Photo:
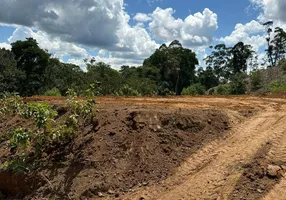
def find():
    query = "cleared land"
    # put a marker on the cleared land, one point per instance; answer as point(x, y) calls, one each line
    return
point(166, 148)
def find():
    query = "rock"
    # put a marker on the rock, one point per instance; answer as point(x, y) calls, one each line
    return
point(274, 171)
point(259, 190)
point(100, 194)
point(145, 183)
point(110, 192)
point(209, 121)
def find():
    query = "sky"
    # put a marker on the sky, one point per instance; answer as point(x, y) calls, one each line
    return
point(125, 32)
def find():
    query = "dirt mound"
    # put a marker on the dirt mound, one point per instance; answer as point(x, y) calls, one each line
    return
point(130, 147)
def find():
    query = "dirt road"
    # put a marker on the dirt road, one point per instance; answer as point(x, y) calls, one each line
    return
point(223, 168)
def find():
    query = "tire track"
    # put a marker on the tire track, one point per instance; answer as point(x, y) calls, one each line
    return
point(212, 172)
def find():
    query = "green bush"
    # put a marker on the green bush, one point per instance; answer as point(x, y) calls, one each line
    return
point(223, 89)
point(53, 92)
point(126, 90)
point(193, 90)
point(238, 84)
point(277, 86)
point(256, 80)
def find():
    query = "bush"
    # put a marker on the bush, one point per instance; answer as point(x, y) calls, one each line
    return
point(256, 80)
point(196, 89)
point(53, 92)
point(277, 86)
point(238, 84)
point(282, 64)
point(223, 89)
point(126, 90)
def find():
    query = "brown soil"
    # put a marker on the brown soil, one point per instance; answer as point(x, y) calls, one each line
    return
point(163, 148)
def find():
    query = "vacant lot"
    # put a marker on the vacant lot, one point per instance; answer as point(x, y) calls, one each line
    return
point(164, 148)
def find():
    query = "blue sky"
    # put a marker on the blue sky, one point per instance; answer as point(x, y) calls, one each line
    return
point(122, 32)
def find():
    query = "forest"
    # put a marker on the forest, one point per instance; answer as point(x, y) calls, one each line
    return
point(171, 70)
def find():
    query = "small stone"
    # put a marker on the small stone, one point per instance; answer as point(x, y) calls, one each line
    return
point(259, 190)
point(274, 171)
point(110, 192)
point(100, 194)
point(209, 121)
point(145, 183)
point(141, 198)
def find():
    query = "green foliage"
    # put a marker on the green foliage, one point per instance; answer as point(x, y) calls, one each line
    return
point(256, 80)
point(53, 92)
point(196, 89)
point(20, 138)
point(238, 84)
point(42, 112)
point(10, 76)
point(32, 60)
point(176, 67)
point(126, 90)
point(223, 89)
point(278, 85)
point(282, 64)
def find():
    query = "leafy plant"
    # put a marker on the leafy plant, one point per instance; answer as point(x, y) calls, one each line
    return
point(53, 92)
point(21, 138)
point(196, 89)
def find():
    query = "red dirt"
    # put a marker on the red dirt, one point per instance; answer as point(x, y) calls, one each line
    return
point(140, 145)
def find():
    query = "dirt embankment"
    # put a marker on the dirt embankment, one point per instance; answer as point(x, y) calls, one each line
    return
point(131, 147)
point(164, 148)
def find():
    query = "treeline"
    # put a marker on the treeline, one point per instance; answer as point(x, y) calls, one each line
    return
point(170, 70)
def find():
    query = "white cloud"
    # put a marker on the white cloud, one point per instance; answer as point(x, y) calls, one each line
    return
point(54, 45)
point(271, 10)
point(194, 30)
point(86, 22)
point(252, 33)
point(67, 28)
point(142, 17)
point(5, 45)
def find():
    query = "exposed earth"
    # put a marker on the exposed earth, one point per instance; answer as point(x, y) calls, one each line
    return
point(176, 148)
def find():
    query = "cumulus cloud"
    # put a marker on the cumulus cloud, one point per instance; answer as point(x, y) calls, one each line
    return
point(86, 22)
point(142, 17)
point(68, 27)
point(194, 30)
point(252, 33)
point(5, 45)
point(271, 10)
point(56, 46)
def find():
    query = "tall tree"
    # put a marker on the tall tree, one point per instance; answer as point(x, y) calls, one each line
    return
point(176, 66)
point(241, 53)
point(10, 76)
point(276, 44)
point(33, 61)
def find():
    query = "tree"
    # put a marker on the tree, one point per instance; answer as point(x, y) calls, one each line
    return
point(240, 54)
point(276, 48)
point(228, 61)
point(176, 66)
point(32, 60)
point(219, 61)
point(207, 77)
point(10, 76)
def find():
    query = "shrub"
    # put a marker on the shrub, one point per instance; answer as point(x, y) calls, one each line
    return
point(196, 89)
point(53, 92)
point(223, 89)
point(256, 80)
point(277, 86)
point(126, 90)
point(238, 84)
